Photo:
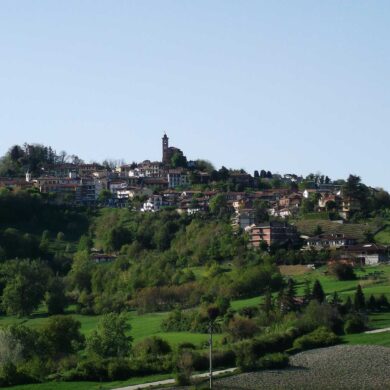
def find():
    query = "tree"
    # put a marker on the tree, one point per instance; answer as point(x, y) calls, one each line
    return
point(204, 166)
point(267, 306)
point(110, 338)
point(11, 350)
point(317, 292)
point(104, 196)
point(382, 302)
point(218, 205)
point(240, 328)
point(371, 303)
point(63, 335)
point(348, 306)
point(287, 297)
point(55, 298)
point(26, 283)
point(307, 206)
point(261, 211)
point(335, 300)
point(81, 272)
point(342, 271)
point(359, 301)
point(178, 160)
point(223, 174)
point(117, 237)
point(307, 292)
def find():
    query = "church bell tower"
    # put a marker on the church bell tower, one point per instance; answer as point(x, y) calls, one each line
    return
point(165, 146)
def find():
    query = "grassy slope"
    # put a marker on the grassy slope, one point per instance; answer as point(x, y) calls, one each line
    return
point(383, 237)
point(149, 324)
point(92, 385)
point(348, 287)
point(369, 339)
point(143, 326)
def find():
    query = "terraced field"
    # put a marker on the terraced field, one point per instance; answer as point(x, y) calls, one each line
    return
point(308, 226)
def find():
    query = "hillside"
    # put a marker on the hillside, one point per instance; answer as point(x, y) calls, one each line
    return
point(356, 230)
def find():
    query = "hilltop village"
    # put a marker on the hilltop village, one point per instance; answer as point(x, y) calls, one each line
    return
point(113, 271)
point(271, 208)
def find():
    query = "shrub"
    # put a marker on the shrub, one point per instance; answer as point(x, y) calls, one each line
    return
point(10, 375)
point(224, 358)
point(63, 335)
point(248, 352)
point(354, 324)
point(186, 345)
point(321, 337)
point(240, 328)
point(316, 315)
point(185, 367)
point(274, 360)
point(118, 369)
point(342, 271)
point(94, 369)
point(153, 346)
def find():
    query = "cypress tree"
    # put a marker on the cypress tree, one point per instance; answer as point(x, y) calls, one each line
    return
point(318, 292)
point(348, 305)
point(307, 292)
point(371, 303)
point(359, 301)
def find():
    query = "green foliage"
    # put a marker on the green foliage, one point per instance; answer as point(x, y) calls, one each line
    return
point(105, 196)
point(178, 160)
point(318, 292)
point(62, 334)
point(55, 297)
point(185, 367)
point(342, 271)
point(152, 347)
point(316, 315)
point(29, 157)
point(25, 284)
point(30, 212)
point(249, 352)
point(240, 328)
point(359, 301)
point(321, 337)
point(274, 361)
point(218, 206)
point(355, 323)
point(110, 339)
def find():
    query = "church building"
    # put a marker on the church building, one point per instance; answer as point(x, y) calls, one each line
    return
point(168, 151)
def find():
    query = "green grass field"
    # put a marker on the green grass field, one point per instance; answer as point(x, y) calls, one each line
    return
point(379, 320)
point(148, 325)
point(92, 385)
point(368, 339)
point(142, 326)
point(330, 284)
point(383, 237)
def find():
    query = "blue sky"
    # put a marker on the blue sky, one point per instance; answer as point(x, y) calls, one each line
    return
point(287, 86)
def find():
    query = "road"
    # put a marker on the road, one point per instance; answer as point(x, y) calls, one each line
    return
point(172, 381)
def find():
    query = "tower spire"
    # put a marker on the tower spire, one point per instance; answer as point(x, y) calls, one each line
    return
point(165, 148)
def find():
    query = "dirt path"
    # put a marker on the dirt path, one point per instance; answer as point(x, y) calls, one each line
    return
point(172, 381)
point(378, 330)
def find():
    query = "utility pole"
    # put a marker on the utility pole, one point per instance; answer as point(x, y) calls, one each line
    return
point(213, 313)
point(211, 353)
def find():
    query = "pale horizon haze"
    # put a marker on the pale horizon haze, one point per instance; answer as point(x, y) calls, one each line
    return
point(286, 86)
